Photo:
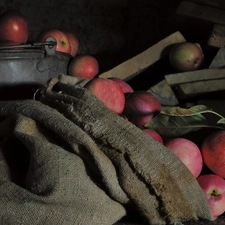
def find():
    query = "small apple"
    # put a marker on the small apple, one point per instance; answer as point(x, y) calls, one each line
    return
point(74, 43)
point(109, 92)
point(188, 152)
point(185, 56)
point(214, 188)
point(13, 27)
point(123, 84)
point(63, 44)
point(152, 133)
point(85, 66)
point(140, 107)
point(213, 152)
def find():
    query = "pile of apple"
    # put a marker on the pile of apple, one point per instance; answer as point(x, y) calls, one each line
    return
point(183, 57)
point(140, 106)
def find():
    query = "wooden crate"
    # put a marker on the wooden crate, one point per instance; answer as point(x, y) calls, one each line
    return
point(202, 11)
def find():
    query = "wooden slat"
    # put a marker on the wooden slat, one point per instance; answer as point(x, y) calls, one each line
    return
point(202, 87)
point(142, 61)
point(197, 82)
point(164, 93)
point(201, 11)
point(219, 59)
point(217, 36)
point(220, 4)
point(194, 76)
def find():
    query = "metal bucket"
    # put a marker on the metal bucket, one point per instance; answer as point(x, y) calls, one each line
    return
point(25, 68)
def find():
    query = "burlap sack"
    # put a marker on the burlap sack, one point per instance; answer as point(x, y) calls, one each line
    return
point(58, 187)
point(158, 184)
point(86, 164)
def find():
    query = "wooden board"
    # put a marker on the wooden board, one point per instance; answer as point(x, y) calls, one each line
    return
point(217, 36)
point(201, 11)
point(142, 61)
point(197, 82)
point(202, 87)
point(164, 93)
point(195, 76)
point(220, 4)
point(219, 59)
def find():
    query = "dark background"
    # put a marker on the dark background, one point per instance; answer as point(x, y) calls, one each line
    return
point(112, 30)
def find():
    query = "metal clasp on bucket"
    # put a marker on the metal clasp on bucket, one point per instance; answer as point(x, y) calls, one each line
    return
point(50, 41)
point(48, 61)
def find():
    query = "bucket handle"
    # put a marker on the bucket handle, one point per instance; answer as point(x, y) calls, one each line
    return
point(48, 42)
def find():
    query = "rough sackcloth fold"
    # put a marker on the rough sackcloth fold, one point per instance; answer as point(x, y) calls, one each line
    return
point(67, 159)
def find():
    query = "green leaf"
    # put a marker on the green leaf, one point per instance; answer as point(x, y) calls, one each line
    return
point(221, 121)
point(178, 111)
point(177, 121)
point(174, 126)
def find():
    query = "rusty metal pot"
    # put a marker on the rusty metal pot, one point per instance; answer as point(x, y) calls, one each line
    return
point(25, 68)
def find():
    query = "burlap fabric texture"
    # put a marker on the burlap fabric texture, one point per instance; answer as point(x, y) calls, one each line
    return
point(67, 159)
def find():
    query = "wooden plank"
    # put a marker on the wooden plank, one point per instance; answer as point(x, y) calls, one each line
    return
point(214, 3)
point(164, 93)
point(201, 11)
point(217, 36)
point(202, 87)
point(219, 59)
point(142, 61)
point(194, 76)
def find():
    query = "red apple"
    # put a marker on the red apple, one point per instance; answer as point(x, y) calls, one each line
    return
point(123, 84)
point(109, 92)
point(74, 43)
point(85, 66)
point(214, 188)
point(213, 152)
point(63, 44)
point(13, 27)
point(140, 107)
point(141, 120)
point(188, 152)
point(185, 56)
point(152, 133)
